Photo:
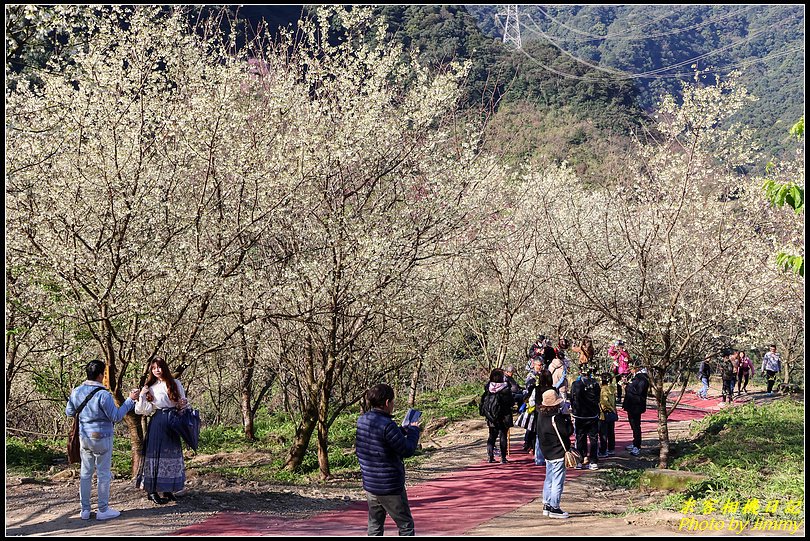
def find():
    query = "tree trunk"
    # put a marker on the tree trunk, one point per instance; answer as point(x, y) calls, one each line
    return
point(135, 428)
point(247, 415)
point(323, 434)
point(414, 382)
point(663, 427)
point(302, 436)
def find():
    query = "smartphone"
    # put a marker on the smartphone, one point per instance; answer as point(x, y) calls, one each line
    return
point(411, 416)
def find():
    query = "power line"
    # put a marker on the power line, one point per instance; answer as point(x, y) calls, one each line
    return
point(651, 74)
point(595, 37)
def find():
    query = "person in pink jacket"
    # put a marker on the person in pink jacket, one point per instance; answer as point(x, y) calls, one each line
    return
point(745, 368)
point(620, 365)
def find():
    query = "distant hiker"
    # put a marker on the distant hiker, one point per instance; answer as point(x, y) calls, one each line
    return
point(554, 432)
point(96, 421)
point(771, 365)
point(535, 351)
point(496, 407)
point(704, 373)
point(381, 444)
point(744, 369)
point(607, 416)
point(620, 366)
point(162, 468)
point(635, 403)
point(559, 369)
point(514, 387)
point(533, 380)
point(586, 353)
point(549, 353)
point(585, 394)
point(734, 357)
point(726, 370)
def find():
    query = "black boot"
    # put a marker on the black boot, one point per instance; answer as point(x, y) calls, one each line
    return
point(169, 497)
point(154, 497)
point(491, 453)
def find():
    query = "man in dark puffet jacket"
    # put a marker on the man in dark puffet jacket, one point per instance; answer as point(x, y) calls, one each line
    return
point(381, 444)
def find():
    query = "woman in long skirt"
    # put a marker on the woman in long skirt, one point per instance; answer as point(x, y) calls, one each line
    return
point(162, 467)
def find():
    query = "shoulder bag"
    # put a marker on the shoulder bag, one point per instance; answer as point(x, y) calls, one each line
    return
point(572, 458)
point(74, 453)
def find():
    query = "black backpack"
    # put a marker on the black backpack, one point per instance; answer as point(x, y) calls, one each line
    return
point(490, 407)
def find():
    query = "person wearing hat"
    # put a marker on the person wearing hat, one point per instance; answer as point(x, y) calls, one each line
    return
point(554, 433)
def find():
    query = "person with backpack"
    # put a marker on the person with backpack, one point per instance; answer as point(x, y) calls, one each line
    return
point(704, 372)
point(726, 369)
point(496, 406)
point(585, 395)
point(635, 403)
point(96, 419)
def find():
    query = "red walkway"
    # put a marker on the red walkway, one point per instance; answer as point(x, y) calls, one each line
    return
point(448, 505)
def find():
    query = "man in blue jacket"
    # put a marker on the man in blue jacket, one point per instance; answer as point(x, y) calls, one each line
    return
point(381, 444)
point(96, 421)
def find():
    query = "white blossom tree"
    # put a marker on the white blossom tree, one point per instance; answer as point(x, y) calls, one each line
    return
point(664, 252)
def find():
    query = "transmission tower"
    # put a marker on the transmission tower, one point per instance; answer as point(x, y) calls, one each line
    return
point(511, 27)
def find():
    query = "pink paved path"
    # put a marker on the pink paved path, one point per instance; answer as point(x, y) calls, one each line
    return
point(449, 505)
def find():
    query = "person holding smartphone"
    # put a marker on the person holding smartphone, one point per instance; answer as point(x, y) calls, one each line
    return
point(381, 445)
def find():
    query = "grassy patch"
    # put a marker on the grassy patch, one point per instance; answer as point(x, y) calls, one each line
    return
point(747, 452)
point(26, 458)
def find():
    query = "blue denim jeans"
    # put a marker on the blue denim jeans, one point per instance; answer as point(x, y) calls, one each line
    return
point(96, 455)
point(705, 389)
point(553, 485)
point(538, 454)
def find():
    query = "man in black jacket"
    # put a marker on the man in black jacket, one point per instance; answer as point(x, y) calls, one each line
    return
point(585, 393)
point(635, 403)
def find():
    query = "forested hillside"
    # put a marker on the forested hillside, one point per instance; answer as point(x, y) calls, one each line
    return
point(667, 43)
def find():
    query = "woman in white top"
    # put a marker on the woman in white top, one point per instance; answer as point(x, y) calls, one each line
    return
point(162, 467)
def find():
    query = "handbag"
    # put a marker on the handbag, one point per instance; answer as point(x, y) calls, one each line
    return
point(611, 416)
point(74, 452)
point(572, 458)
point(526, 419)
point(186, 424)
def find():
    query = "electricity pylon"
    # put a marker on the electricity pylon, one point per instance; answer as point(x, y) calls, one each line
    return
point(511, 28)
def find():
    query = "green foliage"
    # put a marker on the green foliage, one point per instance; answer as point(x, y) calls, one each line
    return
point(766, 41)
point(621, 478)
point(26, 457)
point(751, 451)
point(785, 193)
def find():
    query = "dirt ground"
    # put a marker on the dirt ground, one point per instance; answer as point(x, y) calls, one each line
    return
point(51, 507)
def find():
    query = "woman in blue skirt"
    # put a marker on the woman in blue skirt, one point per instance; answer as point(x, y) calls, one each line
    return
point(162, 467)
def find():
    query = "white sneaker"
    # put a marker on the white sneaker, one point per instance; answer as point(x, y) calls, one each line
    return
point(635, 451)
point(557, 513)
point(108, 514)
point(630, 447)
point(85, 515)
point(593, 466)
